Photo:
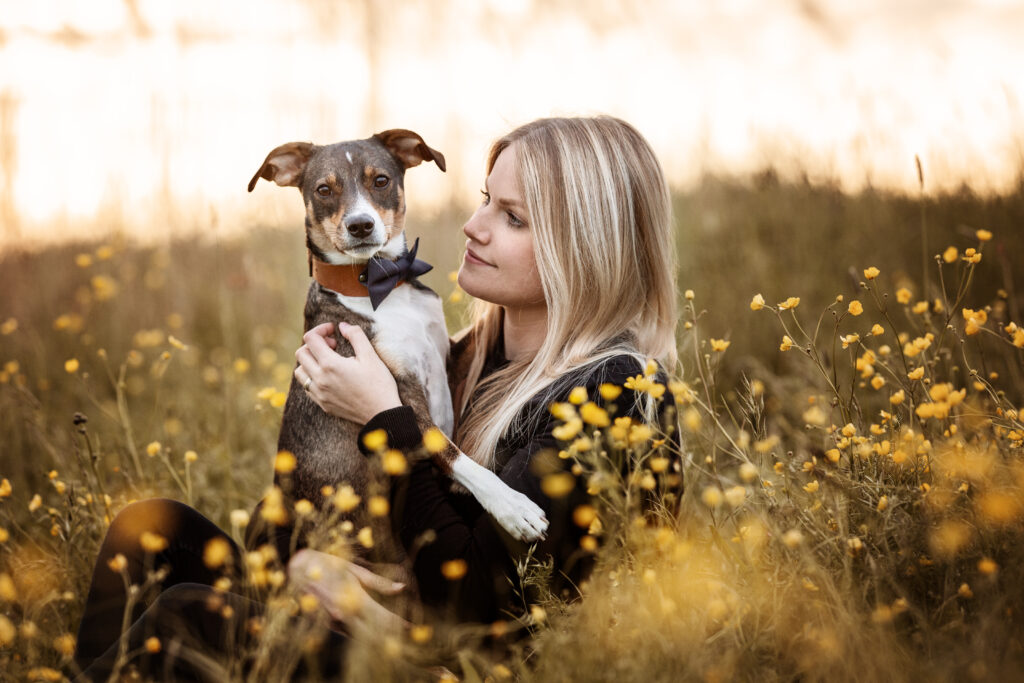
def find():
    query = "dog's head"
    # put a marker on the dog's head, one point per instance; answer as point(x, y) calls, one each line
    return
point(353, 191)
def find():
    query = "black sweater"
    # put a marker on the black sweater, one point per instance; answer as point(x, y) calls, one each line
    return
point(423, 502)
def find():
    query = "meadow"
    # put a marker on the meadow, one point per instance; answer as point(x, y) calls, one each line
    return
point(848, 397)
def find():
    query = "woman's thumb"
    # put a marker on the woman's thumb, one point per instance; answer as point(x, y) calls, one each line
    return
point(357, 338)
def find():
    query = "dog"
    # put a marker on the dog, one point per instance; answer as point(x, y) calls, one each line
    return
point(364, 274)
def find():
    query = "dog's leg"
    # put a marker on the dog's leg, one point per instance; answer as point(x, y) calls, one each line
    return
point(514, 511)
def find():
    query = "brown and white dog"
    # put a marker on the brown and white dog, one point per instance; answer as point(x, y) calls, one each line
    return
point(365, 275)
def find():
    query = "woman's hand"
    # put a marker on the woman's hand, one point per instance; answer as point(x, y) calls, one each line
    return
point(340, 586)
point(355, 388)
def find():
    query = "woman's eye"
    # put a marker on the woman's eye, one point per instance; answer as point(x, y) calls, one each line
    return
point(323, 190)
point(381, 181)
point(513, 220)
point(487, 197)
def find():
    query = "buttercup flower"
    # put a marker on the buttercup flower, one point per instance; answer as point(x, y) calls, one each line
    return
point(757, 303)
point(871, 273)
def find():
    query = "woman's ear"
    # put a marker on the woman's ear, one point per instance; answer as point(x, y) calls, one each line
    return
point(409, 148)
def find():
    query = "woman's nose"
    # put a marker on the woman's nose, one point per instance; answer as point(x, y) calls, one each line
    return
point(474, 228)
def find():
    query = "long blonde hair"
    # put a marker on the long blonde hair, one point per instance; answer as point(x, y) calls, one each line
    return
point(600, 214)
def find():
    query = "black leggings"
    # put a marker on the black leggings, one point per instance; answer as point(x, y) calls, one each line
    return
point(201, 631)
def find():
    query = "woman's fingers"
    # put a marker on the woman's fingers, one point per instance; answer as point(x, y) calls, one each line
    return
point(357, 338)
point(375, 582)
point(316, 343)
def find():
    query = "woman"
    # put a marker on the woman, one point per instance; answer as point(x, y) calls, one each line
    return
point(571, 259)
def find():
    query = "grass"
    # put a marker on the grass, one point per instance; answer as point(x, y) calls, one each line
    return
point(816, 538)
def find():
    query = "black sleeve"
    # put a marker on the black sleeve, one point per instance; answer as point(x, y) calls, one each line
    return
point(425, 507)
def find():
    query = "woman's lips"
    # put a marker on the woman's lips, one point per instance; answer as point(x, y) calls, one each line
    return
point(473, 258)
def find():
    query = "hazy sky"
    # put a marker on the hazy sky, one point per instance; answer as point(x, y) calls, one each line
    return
point(147, 108)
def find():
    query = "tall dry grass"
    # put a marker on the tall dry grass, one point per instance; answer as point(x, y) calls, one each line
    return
point(852, 504)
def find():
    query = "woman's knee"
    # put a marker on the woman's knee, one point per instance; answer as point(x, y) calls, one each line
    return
point(156, 515)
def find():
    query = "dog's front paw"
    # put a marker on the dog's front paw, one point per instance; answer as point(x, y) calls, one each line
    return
point(517, 514)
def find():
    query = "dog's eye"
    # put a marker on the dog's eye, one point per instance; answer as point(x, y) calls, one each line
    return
point(323, 190)
point(381, 181)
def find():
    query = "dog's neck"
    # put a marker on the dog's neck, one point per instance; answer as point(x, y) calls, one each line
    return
point(348, 279)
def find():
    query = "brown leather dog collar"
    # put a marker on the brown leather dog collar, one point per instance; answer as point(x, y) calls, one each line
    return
point(348, 279)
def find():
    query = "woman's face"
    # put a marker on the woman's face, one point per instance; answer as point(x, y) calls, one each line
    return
point(499, 264)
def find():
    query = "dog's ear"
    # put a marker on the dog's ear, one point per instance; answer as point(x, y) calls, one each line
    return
point(409, 148)
point(285, 164)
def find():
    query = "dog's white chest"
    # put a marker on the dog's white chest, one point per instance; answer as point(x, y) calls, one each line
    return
point(410, 335)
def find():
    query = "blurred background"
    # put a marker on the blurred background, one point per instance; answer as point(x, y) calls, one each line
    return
point(147, 118)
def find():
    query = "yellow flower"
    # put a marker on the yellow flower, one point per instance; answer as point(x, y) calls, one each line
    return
point(240, 366)
point(278, 398)
point(851, 338)
point(972, 256)
point(346, 498)
point(983, 235)
point(453, 570)
point(610, 392)
point(375, 440)
point(216, 552)
point(303, 508)
point(748, 472)
point(833, 455)
point(421, 633)
point(877, 329)
point(83, 260)
point(265, 393)
point(987, 566)
point(855, 307)
point(177, 343)
point(812, 487)
point(719, 345)
point(284, 462)
point(153, 448)
point(689, 294)
point(897, 398)
point(191, 456)
point(569, 430)
point(903, 295)
point(378, 506)
point(365, 537)
point(393, 462)
point(578, 396)
point(117, 563)
point(1018, 338)
point(735, 496)
point(790, 303)
point(35, 503)
point(883, 503)
point(920, 308)
point(975, 320)
point(595, 415)
point(877, 382)
point(151, 542)
point(71, 366)
point(871, 273)
point(5, 488)
point(711, 496)
point(792, 538)
point(965, 591)
point(757, 303)
point(916, 373)
point(434, 440)
point(153, 645)
point(950, 254)
point(558, 484)
point(8, 326)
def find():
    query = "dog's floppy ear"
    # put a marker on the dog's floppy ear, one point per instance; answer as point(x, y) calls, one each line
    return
point(284, 165)
point(409, 148)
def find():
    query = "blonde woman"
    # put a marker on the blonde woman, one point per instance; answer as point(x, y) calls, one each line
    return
point(570, 259)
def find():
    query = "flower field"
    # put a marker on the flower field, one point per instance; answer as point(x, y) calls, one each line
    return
point(852, 500)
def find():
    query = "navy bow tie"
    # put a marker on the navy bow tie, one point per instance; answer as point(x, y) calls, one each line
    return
point(383, 275)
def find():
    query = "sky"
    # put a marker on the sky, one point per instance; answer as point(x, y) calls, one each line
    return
point(153, 115)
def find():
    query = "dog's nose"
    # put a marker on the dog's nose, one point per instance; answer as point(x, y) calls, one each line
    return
point(359, 225)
